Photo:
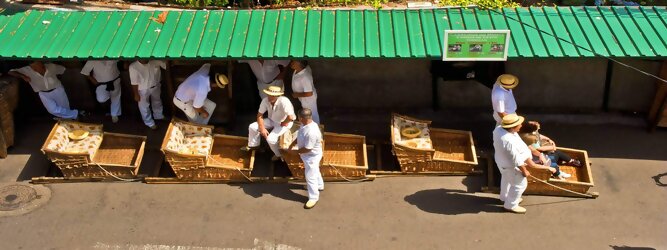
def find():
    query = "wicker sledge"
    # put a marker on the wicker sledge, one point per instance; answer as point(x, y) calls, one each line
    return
point(580, 182)
point(99, 154)
point(431, 149)
point(195, 153)
point(344, 155)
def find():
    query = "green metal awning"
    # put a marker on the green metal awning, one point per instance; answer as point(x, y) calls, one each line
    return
point(536, 32)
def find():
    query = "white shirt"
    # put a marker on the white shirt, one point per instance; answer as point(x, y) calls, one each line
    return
point(103, 70)
point(502, 100)
point(146, 76)
point(303, 82)
point(279, 111)
point(267, 71)
point(45, 82)
point(196, 87)
point(310, 137)
point(511, 151)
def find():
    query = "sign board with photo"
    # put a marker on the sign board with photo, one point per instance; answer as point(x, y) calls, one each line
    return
point(476, 45)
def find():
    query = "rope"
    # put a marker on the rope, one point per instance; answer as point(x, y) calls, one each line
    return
point(562, 189)
point(116, 177)
point(238, 169)
point(345, 178)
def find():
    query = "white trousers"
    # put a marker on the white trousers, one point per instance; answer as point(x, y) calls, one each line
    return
point(512, 185)
point(103, 95)
point(311, 103)
point(262, 86)
point(57, 104)
point(314, 181)
point(275, 132)
point(192, 114)
point(150, 98)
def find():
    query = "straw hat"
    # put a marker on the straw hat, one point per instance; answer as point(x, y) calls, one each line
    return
point(78, 134)
point(508, 81)
point(512, 120)
point(273, 91)
point(221, 80)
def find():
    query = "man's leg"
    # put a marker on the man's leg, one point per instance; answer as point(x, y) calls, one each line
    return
point(144, 107)
point(504, 184)
point(311, 103)
point(272, 139)
point(57, 104)
point(254, 137)
point(312, 171)
point(156, 102)
point(115, 99)
point(518, 184)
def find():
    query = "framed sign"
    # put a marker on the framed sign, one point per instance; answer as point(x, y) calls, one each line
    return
point(476, 45)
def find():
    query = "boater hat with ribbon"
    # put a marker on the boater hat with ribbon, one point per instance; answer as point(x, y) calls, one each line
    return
point(273, 91)
point(508, 81)
point(512, 120)
point(221, 80)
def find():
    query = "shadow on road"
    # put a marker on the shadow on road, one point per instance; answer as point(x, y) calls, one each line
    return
point(658, 180)
point(452, 202)
point(283, 191)
point(630, 248)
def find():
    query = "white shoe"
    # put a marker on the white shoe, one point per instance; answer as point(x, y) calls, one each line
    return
point(517, 210)
point(321, 189)
point(564, 175)
point(114, 119)
point(310, 204)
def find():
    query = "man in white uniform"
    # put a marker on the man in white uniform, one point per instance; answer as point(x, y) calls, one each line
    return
point(303, 87)
point(191, 95)
point(309, 142)
point(513, 158)
point(43, 79)
point(502, 97)
point(145, 78)
point(280, 117)
point(106, 77)
point(268, 73)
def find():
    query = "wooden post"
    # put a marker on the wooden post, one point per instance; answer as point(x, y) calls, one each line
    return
point(659, 102)
point(170, 87)
point(607, 86)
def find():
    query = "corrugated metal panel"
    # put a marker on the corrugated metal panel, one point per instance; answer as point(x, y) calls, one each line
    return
point(536, 32)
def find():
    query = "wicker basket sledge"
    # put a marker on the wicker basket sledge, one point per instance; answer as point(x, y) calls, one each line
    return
point(580, 182)
point(195, 153)
point(344, 155)
point(431, 149)
point(99, 154)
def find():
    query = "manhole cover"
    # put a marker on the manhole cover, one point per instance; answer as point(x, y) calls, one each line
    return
point(18, 199)
point(13, 197)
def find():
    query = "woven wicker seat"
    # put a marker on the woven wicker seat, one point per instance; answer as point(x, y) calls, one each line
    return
point(580, 181)
point(434, 150)
point(344, 156)
point(118, 154)
point(194, 153)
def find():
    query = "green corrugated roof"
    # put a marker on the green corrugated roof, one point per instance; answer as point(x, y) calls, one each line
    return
point(607, 31)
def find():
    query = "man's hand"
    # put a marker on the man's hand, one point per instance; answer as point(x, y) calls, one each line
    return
point(525, 173)
point(264, 132)
point(204, 114)
point(552, 170)
point(137, 98)
point(26, 78)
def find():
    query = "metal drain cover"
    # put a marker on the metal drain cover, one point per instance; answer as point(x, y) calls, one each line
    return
point(18, 199)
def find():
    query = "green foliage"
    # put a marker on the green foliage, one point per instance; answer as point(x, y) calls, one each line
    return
point(200, 3)
point(483, 4)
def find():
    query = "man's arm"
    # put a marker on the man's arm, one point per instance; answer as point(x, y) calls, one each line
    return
point(19, 75)
point(135, 90)
point(530, 163)
point(260, 125)
point(93, 80)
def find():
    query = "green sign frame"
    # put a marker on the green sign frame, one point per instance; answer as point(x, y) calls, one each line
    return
point(476, 45)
